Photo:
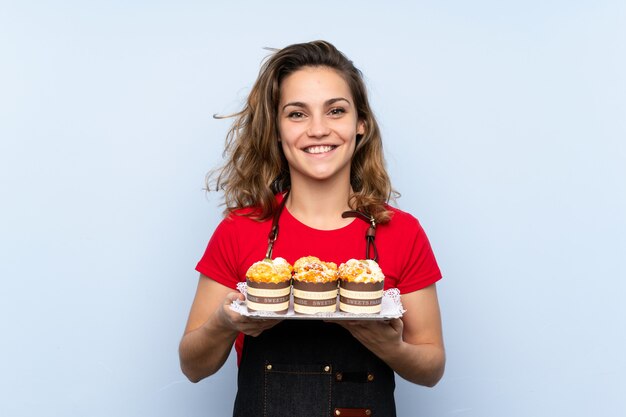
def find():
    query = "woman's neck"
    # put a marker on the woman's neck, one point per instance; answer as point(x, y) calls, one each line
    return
point(319, 204)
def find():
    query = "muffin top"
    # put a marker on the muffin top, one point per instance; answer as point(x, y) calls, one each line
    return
point(311, 269)
point(366, 271)
point(270, 270)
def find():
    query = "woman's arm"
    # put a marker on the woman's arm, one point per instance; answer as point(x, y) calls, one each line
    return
point(212, 328)
point(411, 346)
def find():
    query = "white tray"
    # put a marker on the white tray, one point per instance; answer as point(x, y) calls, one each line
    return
point(391, 308)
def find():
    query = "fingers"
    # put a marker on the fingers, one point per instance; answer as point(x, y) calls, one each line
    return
point(246, 325)
point(374, 332)
point(252, 327)
point(346, 323)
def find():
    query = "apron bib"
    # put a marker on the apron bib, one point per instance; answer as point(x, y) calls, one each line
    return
point(310, 368)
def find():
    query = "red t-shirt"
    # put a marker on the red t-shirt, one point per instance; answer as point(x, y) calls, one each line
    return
point(404, 253)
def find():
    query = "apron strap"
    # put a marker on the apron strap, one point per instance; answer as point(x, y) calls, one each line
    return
point(370, 235)
point(271, 238)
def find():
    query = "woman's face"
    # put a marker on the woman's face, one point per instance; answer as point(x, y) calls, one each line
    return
point(318, 124)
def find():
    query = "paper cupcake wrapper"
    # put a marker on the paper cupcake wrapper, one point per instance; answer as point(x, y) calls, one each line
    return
point(268, 296)
point(314, 297)
point(360, 297)
point(307, 309)
point(274, 308)
point(349, 308)
point(362, 286)
point(262, 292)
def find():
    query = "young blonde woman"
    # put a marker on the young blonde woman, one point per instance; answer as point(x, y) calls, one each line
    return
point(305, 154)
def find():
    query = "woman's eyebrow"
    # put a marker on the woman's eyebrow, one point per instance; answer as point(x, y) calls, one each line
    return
point(327, 102)
point(295, 104)
point(336, 99)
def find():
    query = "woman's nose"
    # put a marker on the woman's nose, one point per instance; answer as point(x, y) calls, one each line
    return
point(318, 127)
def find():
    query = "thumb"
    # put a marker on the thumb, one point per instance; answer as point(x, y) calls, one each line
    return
point(234, 296)
point(397, 325)
point(230, 298)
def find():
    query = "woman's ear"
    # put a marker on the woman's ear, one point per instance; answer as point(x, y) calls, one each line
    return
point(360, 127)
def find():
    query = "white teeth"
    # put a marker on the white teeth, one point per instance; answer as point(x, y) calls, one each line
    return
point(319, 149)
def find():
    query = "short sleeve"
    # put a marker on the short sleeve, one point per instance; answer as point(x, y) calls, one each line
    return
point(219, 261)
point(420, 267)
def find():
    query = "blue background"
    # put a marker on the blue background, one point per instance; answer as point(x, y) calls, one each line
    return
point(504, 127)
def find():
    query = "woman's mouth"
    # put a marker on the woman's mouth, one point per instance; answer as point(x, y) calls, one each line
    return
point(319, 149)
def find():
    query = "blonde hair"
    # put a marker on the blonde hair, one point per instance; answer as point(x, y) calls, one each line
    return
point(256, 168)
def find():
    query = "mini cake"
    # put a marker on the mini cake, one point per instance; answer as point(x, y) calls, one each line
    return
point(361, 285)
point(314, 286)
point(269, 286)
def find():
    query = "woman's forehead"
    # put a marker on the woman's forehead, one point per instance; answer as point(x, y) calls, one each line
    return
point(314, 84)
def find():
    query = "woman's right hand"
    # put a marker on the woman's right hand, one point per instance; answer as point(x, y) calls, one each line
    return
point(232, 320)
point(212, 328)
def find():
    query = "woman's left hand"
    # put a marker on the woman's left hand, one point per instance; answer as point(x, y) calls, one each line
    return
point(375, 335)
point(411, 346)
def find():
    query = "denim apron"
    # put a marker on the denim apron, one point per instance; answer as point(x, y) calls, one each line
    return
point(310, 368)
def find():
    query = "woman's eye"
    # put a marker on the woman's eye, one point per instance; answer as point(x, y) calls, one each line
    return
point(296, 115)
point(337, 111)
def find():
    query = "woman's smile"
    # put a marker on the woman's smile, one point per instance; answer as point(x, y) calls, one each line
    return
point(319, 149)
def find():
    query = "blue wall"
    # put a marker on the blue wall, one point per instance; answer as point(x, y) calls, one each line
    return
point(504, 126)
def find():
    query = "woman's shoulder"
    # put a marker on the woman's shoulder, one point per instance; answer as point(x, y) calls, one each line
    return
point(250, 213)
point(401, 218)
point(239, 223)
point(247, 216)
